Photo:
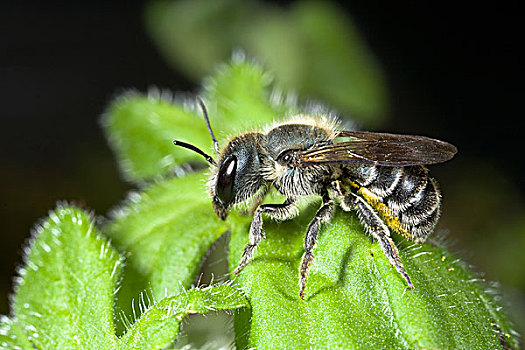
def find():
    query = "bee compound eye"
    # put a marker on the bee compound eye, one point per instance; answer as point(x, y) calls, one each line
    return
point(285, 157)
point(226, 179)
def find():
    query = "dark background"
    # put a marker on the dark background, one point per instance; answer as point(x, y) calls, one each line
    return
point(453, 73)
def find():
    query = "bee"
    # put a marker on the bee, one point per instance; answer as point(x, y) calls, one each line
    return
point(381, 176)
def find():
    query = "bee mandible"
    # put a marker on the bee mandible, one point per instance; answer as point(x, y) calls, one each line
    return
point(381, 176)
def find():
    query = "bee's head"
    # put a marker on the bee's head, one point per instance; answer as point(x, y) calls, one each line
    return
point(235, 177)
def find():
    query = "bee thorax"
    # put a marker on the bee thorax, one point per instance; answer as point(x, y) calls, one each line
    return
point(294, 181)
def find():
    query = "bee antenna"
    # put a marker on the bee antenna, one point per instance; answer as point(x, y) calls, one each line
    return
point(205, 113)
point(195, 149)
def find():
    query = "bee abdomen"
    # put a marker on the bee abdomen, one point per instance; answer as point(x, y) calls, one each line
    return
point(421, 216)
point(427, 202)
point(384, 180)
point(425, 227)
point(413, 198)
point(409, 190)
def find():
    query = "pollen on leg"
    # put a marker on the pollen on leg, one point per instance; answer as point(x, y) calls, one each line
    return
point(375, 226)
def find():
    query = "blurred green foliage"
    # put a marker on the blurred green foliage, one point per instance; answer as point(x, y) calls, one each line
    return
point(312, 48)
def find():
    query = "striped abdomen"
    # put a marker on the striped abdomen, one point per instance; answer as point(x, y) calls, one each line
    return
point(406, 198)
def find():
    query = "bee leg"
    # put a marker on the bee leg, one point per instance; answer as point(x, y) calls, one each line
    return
point(259, 197)
point(324, 214)
point(282, 211)
point(381, 233)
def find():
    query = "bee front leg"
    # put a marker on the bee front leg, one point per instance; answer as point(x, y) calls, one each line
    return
point(259, 197)
point(324, 214)
point(283, 211)
point(381, 233)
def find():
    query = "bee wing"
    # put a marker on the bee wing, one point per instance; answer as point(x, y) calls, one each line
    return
point(378, 148)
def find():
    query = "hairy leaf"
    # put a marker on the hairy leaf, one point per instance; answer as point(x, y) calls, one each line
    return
point(166, 231)
point(64, 295)
point(355, 299)
point(157, 325)
point(141, 129)
point(12, 336)
point(242, 96)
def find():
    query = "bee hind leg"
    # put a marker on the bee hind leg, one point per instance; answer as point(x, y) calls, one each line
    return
point(377, 228)
point(323, 215)
point(282, 211)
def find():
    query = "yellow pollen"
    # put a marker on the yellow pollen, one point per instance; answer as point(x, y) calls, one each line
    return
point(386, 214)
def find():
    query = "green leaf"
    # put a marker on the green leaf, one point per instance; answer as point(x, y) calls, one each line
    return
point(311, 47)
point(166, 231)
point(355, 299)
point(158, 324)
point(243, 96)
point(64, 295)
point(141, 128)
point(12, 335)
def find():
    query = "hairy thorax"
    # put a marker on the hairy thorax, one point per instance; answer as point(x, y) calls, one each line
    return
point(288, 179)
point(294, 181)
